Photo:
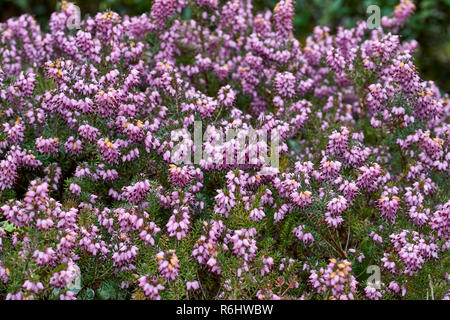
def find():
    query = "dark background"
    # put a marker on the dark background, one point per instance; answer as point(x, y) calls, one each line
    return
point(429, 26)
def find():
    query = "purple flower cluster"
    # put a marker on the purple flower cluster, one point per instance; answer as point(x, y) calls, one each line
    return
point(105, 175)
point(336, 280)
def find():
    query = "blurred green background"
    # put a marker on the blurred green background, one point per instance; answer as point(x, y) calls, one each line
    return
point(429, 26)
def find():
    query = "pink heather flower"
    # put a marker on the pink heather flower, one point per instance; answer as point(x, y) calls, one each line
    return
point(266, 294)
point(44, 224)
point(8, 173)
point(267, 265)
point(207, 3)
point(106, 175)
point(136, 192)
point(412, 249)
point(281, 212)
point(180, 176)
point(329, 169)
point(389, 206)
point(168, 264)
point(336, 61)
point(413, 197)
point(49, 146)
point(206, 107)
point(178, 224)
point(282, 16)
point(285, 84)
point(15, 133)
point(393, 286)
point(75, 189)
point(135, 132)
point(360, 258)
point(148, 235)
point(243, 243)
point(73, 146)
point(335, 207)
point(302, 199)
point(376, 97)
point(338, 142)
point(349, 189)
point(439, 221)
point(356, 156)
point(205, 249)
point(306, 237)
point(4, 274)
point(388, 263)
point(419, 215)
point(372, 293)
point(124, 256)
point(192, 285)
point(376, 237)
point(401, 13)
point(257, 214)
point(88, 132)
point(15, 296)
point(301, 112)
point(224, 203)
point(150, 288)
point(335, 279)
point(226, 96)
point(211, 262)
point(69, 295)
point(109, 151)
point(164, 9)
point(229, 16)
point(368, 180)
point(33, 286)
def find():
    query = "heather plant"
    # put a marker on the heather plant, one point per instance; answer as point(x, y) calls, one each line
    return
point(108, 192)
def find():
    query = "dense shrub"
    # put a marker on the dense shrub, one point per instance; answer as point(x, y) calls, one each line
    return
point(96, 201)
point(429, 25)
